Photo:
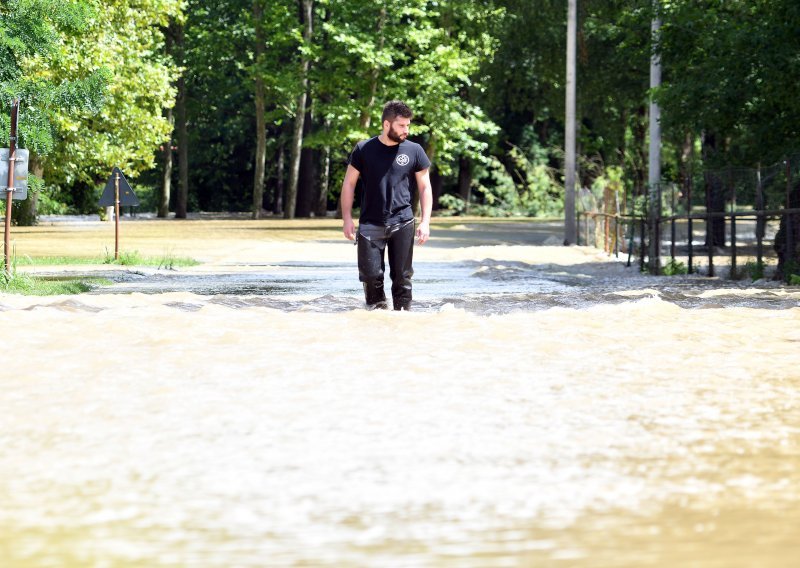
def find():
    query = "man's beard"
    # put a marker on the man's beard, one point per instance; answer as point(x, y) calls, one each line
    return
point(394, 136)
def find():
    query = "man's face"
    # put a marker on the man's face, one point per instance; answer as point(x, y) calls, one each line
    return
point(397, 129)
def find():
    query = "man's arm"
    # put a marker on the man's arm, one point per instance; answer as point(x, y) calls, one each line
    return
point(425, 205)
point(348, 191)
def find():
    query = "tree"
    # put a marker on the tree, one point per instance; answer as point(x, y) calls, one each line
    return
point(30, 33)
point(125, 37)
point(427, 54)
point(306, 17)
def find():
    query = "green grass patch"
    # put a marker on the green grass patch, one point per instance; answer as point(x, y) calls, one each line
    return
point(167, 261)
point(29, 285)
point(56, 260)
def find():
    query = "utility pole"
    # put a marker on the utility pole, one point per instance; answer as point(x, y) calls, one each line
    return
point(654, 166)
point(570, 223)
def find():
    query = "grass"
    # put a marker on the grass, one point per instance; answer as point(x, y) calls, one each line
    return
point(167, 261)
point(674, 268)
point(28, 285)
point(56, 260)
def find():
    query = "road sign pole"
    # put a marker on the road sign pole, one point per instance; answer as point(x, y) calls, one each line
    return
point(117, 193)
point(116, 217)
point(12, 155)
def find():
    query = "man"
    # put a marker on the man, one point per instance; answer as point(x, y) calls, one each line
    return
point(390, 167)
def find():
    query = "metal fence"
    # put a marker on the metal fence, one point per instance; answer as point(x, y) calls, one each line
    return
point(733, 222)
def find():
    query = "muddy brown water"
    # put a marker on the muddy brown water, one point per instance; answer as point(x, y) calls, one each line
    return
point(542, 406)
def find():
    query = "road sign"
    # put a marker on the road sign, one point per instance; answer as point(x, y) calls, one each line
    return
point(126, 195)
point(20, 173)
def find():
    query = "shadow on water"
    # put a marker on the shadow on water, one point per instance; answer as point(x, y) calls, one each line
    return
point(485, 287)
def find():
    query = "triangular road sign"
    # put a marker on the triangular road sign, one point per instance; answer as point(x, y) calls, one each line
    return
point(126, 195)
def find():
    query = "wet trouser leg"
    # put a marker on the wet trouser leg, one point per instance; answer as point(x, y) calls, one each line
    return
point(372, 242)
point(401, 253)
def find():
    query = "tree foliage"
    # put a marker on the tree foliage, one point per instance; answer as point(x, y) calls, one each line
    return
point(485, 79)
point(126, 38)
point(31, 32)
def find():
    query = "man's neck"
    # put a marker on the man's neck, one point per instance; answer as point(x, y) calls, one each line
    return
point(386, 141)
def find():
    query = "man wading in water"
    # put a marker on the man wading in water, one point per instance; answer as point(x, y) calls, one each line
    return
point(390, 167)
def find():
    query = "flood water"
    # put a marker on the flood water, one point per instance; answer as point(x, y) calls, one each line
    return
point(522, 415)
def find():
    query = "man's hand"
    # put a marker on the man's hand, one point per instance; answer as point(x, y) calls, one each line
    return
point(349, 229)
point(348, 190)
point(423, 232)
point(425, 205)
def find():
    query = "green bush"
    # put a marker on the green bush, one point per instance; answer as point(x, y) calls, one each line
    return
point(755, 270)
point(674, 268)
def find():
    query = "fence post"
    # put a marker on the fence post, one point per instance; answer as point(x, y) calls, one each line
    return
point(586, 225)
point(709, 231)
point(761, 220)
point(789, 240)
point(690, 227)
point(654, 220)
point(672, 227)
point(733, 224)
point(642, 245)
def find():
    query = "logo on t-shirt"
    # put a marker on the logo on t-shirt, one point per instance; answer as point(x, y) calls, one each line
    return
point(402, 160)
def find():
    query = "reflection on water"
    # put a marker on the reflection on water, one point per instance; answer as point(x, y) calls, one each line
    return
point(522, 416)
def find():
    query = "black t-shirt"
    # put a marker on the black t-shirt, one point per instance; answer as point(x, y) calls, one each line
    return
point(387, 173)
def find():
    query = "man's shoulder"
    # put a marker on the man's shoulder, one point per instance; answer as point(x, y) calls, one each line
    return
point(409, 145)
point(367, 143)
point(417, 153)
point(413, 149)
point(361, 151)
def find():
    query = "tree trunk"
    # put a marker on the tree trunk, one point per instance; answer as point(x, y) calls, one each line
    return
point(436, 186)
point(280, 187)
point(181, 203)
point(308, 173)
point(166, 180)
point(261, 127)
point(465, 181)
point(300, 115)
point(787, 239)
point(685, 167)
point(324, 182)
point(366, 112)
point(715, 194)
point(436, 182)
point(639, 160)
point(25, 212)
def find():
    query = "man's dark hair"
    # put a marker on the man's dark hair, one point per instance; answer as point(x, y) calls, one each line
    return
point(393, 109)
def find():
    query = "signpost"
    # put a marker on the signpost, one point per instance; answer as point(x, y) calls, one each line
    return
point(117, 192)
point(11, 156)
